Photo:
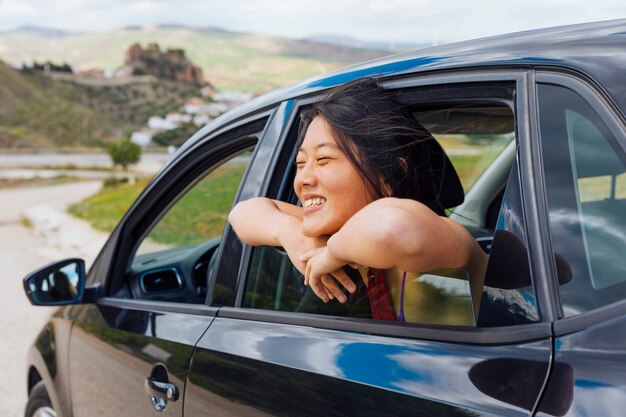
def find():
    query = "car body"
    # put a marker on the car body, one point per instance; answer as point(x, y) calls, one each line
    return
point(208, 326)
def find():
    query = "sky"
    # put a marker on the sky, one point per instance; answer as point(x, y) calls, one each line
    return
point(413, 21)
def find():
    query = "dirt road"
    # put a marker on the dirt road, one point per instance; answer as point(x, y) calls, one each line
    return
point(22, 250)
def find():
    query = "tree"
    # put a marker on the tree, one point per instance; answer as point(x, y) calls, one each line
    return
point(124, 153)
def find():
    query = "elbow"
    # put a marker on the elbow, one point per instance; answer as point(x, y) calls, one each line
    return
point(394, 228)
point(403, 238)
point(398, 236)
point(235, 215)
point(239, 217)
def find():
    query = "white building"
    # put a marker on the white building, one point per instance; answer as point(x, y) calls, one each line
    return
point(158, 123)
point(142, 138)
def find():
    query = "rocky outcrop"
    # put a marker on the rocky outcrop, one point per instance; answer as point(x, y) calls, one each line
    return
point(168, 65)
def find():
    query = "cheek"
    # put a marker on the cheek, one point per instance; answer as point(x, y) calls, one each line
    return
point(297, 185)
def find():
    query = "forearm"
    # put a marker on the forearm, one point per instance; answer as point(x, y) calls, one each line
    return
point(362, 240)
point(404, 234)
point(260, 221)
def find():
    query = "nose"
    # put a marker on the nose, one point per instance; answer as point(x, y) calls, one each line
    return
point(305, 176)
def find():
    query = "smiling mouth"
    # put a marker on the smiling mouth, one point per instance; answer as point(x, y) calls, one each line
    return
point(313, 202)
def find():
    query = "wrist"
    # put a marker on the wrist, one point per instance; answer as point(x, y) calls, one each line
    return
point(286, 229)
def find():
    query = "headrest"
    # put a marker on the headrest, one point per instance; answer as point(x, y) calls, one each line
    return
point(443, 189)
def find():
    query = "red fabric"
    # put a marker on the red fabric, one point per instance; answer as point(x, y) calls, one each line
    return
point(379, 297)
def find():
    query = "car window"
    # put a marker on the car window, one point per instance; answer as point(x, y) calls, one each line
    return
point(174, 258)
point(585, 173)
point(200, 214)
point(473, 136)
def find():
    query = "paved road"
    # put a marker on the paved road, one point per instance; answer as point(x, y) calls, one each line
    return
point(149, 163)
point(22, 250)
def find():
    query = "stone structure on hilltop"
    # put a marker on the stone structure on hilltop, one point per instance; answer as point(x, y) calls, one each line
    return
point(169, 65)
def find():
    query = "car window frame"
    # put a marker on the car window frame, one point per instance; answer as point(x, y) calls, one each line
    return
point(135, 225)
point(610, 115)
point(228, 271)
point(492, 335)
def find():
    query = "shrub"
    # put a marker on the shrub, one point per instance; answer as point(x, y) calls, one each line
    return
point(124, 153)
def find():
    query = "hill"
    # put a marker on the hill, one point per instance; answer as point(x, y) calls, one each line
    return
point(38, 110)
point(229, 60)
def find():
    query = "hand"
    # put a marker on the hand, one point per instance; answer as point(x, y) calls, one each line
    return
point(322, 269)
point(295, 243)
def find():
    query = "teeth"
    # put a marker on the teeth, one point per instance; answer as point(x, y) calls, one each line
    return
point(314, 202)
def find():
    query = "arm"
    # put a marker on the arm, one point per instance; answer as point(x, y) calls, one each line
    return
point(403, 234)
point(262, 221)
point(397, 233)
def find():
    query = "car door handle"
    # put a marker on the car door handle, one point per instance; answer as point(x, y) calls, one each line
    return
point(160, 389)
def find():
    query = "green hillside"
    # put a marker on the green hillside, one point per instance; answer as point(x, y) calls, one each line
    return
point(38, 111)
point(231, 61)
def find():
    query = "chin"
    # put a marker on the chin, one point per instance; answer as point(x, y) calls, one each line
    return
point(311, 232)
point(315, 231)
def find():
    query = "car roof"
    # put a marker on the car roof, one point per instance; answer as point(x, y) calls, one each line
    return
point(597, 50)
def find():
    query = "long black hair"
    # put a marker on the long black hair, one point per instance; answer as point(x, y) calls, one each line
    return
point(393, 152)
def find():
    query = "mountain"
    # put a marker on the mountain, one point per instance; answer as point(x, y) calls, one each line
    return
point(37, 31)
point(389, 47)
point(39, 111)
point(229, 60)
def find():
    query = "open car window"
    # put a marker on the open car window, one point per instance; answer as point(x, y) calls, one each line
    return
point(475, 134)
point(175, 234)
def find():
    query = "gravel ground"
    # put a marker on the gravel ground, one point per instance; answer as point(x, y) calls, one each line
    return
point(53, 236)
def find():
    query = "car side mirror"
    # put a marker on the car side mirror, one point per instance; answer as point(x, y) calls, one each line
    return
point(60, 283)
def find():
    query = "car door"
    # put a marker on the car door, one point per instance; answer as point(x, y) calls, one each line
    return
point(272, 350)
point(130, 349)
point(584, 142)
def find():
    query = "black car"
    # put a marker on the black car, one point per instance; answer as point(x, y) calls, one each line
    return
point(176, 315)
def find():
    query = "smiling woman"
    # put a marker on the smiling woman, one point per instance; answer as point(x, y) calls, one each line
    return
point(369, 180)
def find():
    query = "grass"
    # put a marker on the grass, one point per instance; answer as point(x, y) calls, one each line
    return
point(470, 167)
point(198, 216)
point(25, 221)
point(38, 111)
point(106, 208)
point(202, 213)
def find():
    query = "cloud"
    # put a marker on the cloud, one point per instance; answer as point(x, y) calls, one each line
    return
point(15, 9)
point(376, 20)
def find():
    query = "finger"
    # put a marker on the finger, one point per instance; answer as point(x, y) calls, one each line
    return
point(329, 294)
point(305, 256)
point(320, 291)
point(332, 286)
point(344, 280)
point(307, 272)
point(318, 288)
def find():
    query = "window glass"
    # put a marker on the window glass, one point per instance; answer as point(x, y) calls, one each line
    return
point(472, 136)
point(442, 297)
point(201, 213)
point(586, 190)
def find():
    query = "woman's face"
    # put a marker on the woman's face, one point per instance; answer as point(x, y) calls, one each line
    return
point(330, 188)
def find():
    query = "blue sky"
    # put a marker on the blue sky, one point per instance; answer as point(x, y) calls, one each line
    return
point(416, 21)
